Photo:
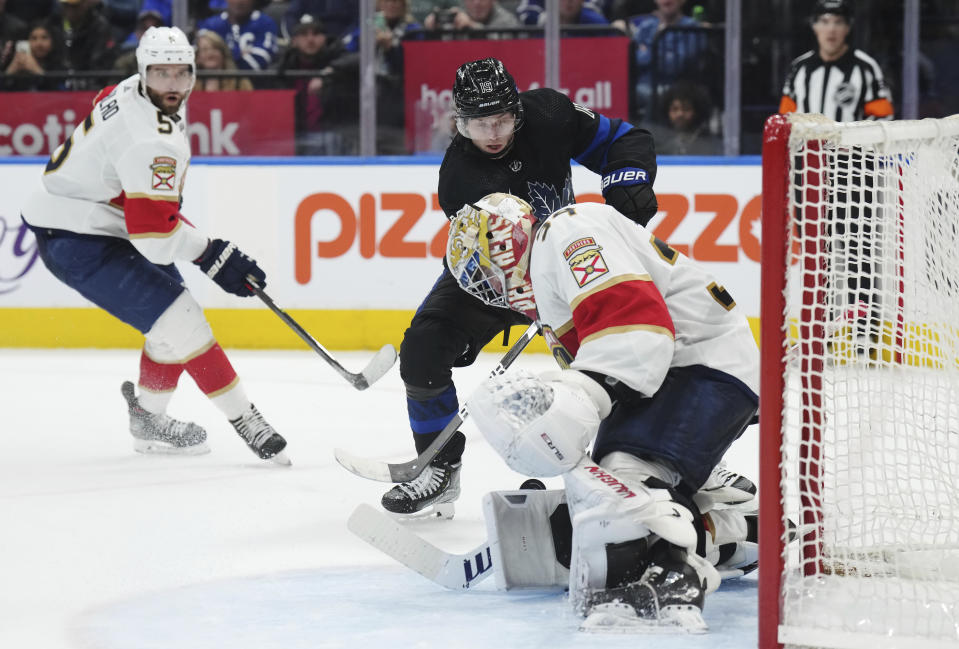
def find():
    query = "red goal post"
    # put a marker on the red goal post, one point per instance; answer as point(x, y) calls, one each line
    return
point(859, 416)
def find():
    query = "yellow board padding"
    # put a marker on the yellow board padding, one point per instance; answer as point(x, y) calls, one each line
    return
point(233, 328)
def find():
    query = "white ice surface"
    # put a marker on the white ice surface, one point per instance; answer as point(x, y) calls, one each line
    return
point(103, 548)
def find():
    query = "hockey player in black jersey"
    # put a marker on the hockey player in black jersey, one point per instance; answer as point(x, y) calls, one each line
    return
point(521, 143)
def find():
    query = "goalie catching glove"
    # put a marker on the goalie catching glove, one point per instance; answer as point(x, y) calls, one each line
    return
point(540, 425)
point(228, 266)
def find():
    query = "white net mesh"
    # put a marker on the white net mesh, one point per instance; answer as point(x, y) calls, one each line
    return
point(870, 455)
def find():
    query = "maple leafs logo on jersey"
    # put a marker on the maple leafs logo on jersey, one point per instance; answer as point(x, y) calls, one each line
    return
point(587, 266)
point(164, 172)
point(546, 199)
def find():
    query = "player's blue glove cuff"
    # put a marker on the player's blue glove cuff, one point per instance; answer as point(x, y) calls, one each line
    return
point(228, 266)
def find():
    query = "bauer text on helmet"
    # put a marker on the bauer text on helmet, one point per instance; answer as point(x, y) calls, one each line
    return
point(488, 251)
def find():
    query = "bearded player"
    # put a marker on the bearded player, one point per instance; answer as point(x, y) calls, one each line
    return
point(108, 224)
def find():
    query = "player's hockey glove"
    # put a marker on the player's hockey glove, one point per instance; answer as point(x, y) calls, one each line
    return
point(226, 265)
point(628, 188)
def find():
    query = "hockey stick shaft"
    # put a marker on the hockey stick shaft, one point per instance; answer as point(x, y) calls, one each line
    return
point(381, 363)
point(453, 571)
point(406, 471)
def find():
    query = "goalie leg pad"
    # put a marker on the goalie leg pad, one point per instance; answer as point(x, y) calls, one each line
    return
point(528, 533)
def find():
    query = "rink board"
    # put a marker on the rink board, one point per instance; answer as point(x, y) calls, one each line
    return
point(350, 245)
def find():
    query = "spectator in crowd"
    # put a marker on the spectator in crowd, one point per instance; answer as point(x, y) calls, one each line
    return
point(44, 54)
point(127, 59)
point(392, 22)
point(420, 9)
point(12, 29)
point(197, 10)
point(533, 12)
point(88, 40)
point(311, 48)
point(575, 12)
point(472, 14)
point(250, 35)
point(122, 15)
point(163, 7)
point(687, 110)
point(212, 53)
point(676, 52)
point(340, 17)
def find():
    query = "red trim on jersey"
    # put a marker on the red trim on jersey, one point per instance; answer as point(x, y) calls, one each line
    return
point(119, 201)
point(570, 341)
point(103, 93)
point(148, 216)
point(624, 304)
point(211, 370)
point(158, 377)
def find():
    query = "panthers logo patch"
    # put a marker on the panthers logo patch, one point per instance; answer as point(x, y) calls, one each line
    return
point(164, 172)
point(587, 266)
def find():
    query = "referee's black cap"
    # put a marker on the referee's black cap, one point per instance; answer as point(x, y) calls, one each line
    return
point(839, 7)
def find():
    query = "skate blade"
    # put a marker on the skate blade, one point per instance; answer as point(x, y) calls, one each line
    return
point(281, 458)
point(619, 618)
point(441, 511)
point(154, 447)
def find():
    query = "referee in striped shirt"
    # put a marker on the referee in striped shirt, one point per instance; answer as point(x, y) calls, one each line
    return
point(846, 85)
point(843, 83)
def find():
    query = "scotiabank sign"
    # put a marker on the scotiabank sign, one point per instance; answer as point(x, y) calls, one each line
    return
point(602, 84)
point(220, 123)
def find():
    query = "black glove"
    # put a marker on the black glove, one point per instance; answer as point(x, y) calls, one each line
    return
point(628, 187)
point(227, 266)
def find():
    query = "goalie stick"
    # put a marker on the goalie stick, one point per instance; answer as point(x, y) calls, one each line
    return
point(406, 471)
point(449, 570)
point(380, 364)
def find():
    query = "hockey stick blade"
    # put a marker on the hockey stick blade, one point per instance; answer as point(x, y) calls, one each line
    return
point(406, 471)
point(379, 365)
point(449, 570)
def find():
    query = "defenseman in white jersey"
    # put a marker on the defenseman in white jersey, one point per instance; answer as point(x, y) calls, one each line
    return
point(108, 224)
point(661, 375)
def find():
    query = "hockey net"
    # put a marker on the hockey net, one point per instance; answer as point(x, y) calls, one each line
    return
point(860, 384)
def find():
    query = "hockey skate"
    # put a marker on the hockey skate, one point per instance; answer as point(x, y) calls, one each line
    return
point(260, 436)
point(724, 487)
point(668, 598)
point(160, 434)
point(431, 493)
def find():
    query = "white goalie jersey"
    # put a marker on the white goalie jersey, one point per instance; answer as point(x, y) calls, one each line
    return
point(616, 300)
point(121, 174)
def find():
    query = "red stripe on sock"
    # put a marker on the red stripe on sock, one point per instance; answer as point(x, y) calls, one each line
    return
point(211, 370)
point(158, 377)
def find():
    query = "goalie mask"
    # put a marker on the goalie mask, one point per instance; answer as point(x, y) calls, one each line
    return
point(488, 251)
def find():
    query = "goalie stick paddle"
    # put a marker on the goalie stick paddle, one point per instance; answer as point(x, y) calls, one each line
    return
point(406, 471)
point(379, 365)
point(449, 570)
